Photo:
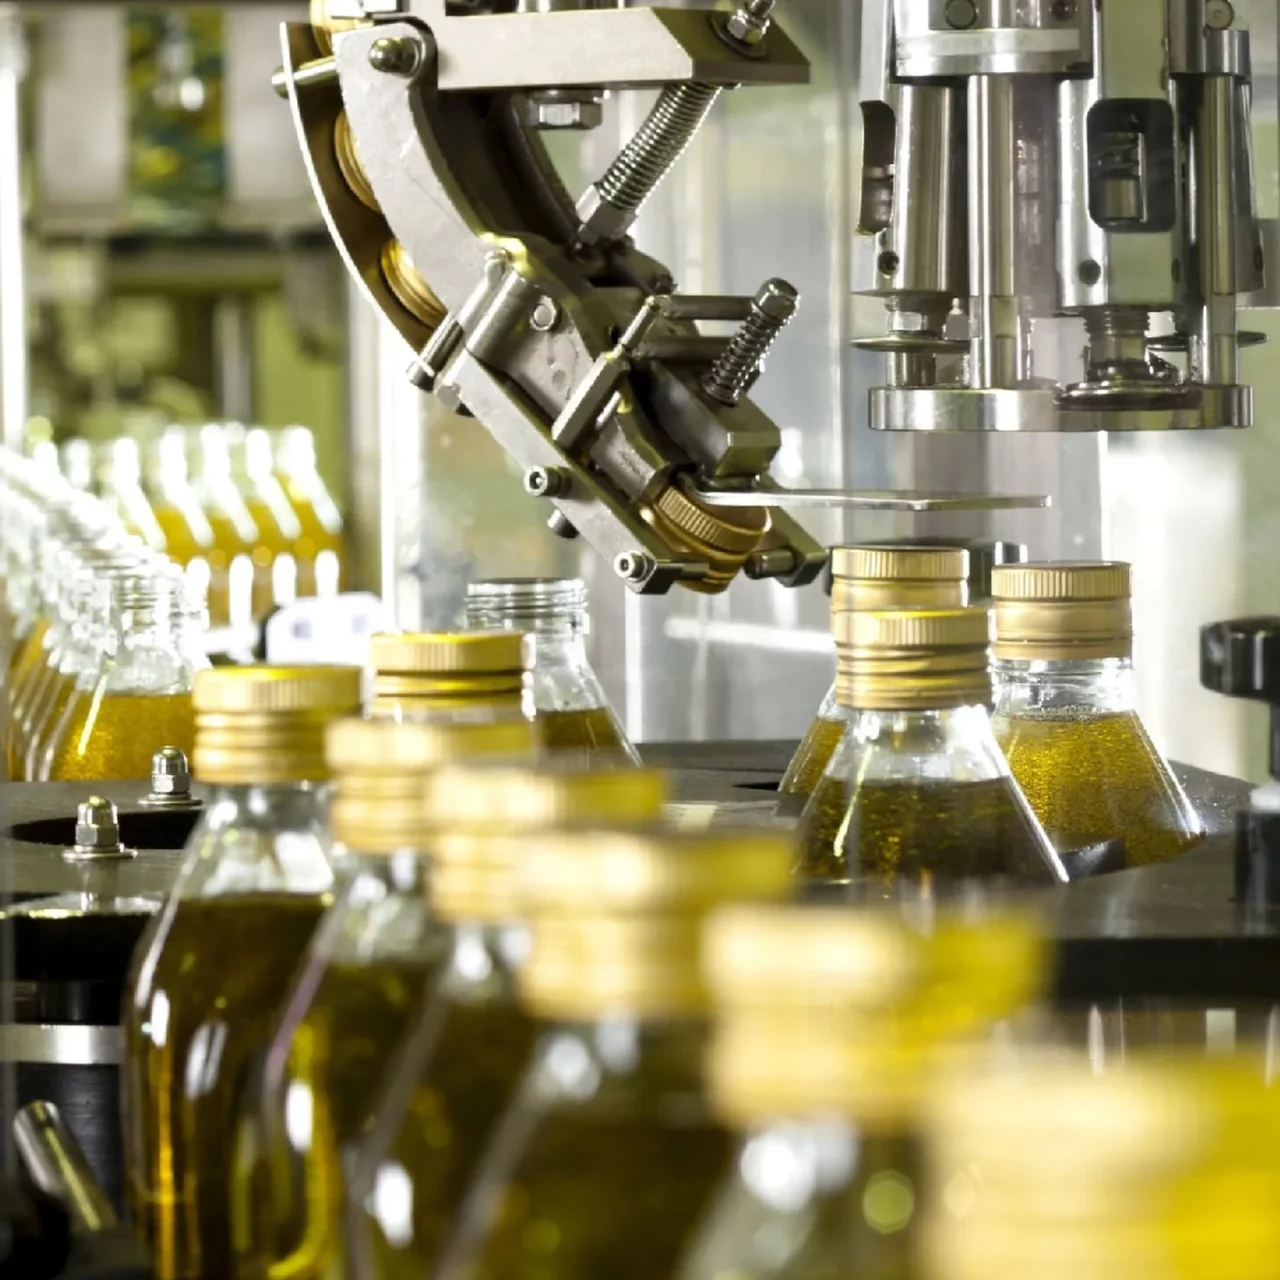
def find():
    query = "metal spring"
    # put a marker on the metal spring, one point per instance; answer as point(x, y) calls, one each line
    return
point(659, 143)
point(736, 365)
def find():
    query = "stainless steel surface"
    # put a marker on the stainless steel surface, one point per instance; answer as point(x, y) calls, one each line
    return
point(874, 500)
point(55, 1162)
point(62, 1043)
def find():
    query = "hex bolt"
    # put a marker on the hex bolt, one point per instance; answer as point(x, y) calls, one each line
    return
point(633, 566)
point(170, 781)
point(396, 55)
point(749, 24)
point(97, 832)
point(546, 315)
point(771, 309)
point(547, 482)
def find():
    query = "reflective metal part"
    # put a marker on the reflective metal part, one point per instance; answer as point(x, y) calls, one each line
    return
point(870, 500)
point(54, 1161)
point(97, 833)
point(170, 782)
point(62, 1043)
point(1108, 181)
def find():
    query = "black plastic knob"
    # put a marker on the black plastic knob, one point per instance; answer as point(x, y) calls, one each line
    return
point(1241, 658)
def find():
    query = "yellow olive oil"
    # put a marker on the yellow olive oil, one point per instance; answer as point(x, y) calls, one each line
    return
point(206, 993)
point(114, 735)
point(590, 729)
point(952, 830)
point(1093, 776)
point(812, 757)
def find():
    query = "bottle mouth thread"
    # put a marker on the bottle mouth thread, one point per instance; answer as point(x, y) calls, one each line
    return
point(543, 606)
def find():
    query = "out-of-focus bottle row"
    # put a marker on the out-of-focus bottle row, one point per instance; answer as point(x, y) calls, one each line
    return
point(243, 510)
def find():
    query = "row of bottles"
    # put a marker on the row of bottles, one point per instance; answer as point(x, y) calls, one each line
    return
point(937, 754)
point(244, 510)
point(101, 636)
point(422, 1005)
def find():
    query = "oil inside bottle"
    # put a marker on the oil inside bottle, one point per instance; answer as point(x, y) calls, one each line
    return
point(1092, 775)
point(812, 756)
point(114, 735)
point(611, 1182)
point(337, 1057)
point(590, 729)
point(208, 1003)
point(886, 830)
point(451, 1082)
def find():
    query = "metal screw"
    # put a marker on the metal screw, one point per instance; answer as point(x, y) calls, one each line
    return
point(560, 525)
point(633, 566)
point(547, 482)
point(749, 24)
point(396, 55)
point(97, 832)
point(170, 781)
point(546, 315)
point(772, 307)
point(1218, 15)
point(1063, 10)
point(580, 109)
point(961, 14)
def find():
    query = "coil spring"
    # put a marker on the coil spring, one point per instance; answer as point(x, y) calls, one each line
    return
point(736, 365)
point(659, 143)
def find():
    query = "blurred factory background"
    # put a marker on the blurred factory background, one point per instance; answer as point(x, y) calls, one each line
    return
point(163, 266)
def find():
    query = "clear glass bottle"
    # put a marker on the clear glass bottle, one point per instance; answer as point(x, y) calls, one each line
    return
point(1066, 718)
point(122, 491)
point(829, 1026)
point(569, 703)
point(207, 981)
point(80, 616)
point(918, 787)
point(607, 1155)
point(236, 535)
point(278, 525)
point(320, 552)
point(138, 697)
point(458, 1067)
point(1040, 1167)
point(377, 951)
point(447, 673)
point(873, 576)
point(188, 534)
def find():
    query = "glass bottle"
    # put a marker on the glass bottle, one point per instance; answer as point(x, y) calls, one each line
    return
point(320, 551)
point(123, 493)
point(279, 528)
point(188, 534)
point(236, 536)
point(459, 1065)
point(207, 980)
point(1066, 718)
point(829, 1025)
point(918, 787)
point(138, 697)
point(1040, 1167)
point(569, 703)
point(78, 620)
point(378, 949)
point(446, 673)
point(607, 1155)
point(873, 577)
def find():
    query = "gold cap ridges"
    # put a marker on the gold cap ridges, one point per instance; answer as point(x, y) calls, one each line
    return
point(914, 628)
point(616, 918)
point(266, 690)
point(1062, 580)
point(891, 563)
point(447, 652)
point(523, 799)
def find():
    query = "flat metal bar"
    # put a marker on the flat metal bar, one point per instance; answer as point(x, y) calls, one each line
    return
point(875, 499)
point(57, 1165)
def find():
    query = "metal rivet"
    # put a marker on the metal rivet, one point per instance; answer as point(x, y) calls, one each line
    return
point(1219, 14)
point(545, 316)
point(395, 54)
point(960, 13)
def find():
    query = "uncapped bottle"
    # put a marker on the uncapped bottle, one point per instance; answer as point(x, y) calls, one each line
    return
point(569, 703)
point(470, 1041)
point(320, 549)
point(377, 951)
point(918, 787)
point(829, 1024)
point(1066, 718)
point(874, 577)
point(207, 980)
point(607, 1155)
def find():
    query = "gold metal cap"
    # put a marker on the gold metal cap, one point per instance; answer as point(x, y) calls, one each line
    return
point(407, 283)
point(616, 917)
point(898, 577)
point(382, 767)
point(266, 724)
point(447, 652)
point(344, 150)
point(912, 659)
point(1060, 611)
point(485, 816)
point(822, 1009)
point(723, 537)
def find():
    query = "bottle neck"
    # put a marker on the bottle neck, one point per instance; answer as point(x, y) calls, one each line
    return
point(1099, 685)
point(952, 744)
point(547, 609)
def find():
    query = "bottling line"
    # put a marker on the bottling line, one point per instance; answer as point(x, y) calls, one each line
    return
point(1052, 231)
